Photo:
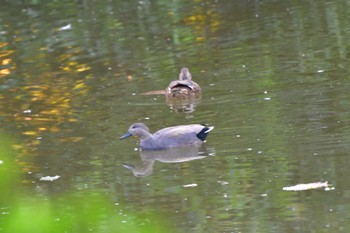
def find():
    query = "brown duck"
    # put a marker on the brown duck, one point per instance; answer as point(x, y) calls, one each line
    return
point(183, 87)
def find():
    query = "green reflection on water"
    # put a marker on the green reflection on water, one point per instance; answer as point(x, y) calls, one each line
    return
point(83, 211)
point(78, 211)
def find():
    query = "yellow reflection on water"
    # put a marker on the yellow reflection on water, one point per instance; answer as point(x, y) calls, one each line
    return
point(203, 20)
point(5, 62)
point(36, 101)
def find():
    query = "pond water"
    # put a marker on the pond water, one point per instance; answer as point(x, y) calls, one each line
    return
point(275, 82)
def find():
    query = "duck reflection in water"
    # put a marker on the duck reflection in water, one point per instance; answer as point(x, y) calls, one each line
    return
point(183, 94)
point(175, 155)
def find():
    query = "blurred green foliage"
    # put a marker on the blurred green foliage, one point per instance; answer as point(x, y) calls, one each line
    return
point(90, 213)
point(8, 171)
point(79, 211)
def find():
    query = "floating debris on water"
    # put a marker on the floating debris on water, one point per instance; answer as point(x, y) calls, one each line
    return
point(27, 111)
point(302, 187)
point(223, 182)
point(189, 185)
point(49, 178)
point(67, 27)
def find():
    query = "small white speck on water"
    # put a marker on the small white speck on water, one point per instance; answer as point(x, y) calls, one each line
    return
point(329, 188)
point(66, 27)
point(223, 182)
point(189, 185)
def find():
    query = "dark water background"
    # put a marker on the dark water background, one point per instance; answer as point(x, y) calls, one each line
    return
point(275, 81)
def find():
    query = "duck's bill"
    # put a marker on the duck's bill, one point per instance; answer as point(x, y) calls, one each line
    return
point(125, 136)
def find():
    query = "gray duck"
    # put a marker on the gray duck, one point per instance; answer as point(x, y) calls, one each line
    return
point(170, 137)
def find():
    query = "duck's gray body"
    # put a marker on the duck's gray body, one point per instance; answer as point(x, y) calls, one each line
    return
point(171, 137)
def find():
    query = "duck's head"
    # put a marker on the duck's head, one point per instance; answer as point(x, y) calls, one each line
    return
point(137, 129)
point(185, 74)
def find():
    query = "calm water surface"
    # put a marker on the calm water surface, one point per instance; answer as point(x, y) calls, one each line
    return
point(275, 83)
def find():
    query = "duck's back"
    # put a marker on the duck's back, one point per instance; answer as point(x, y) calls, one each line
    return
point(178, 136)
point(183, 88)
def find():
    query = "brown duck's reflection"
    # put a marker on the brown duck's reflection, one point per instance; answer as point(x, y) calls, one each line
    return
point(187, 105)
point(175, 155)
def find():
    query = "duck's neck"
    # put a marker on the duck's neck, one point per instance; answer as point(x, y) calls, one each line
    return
point(148, 143)
point(145, 136)
point(185, 75)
